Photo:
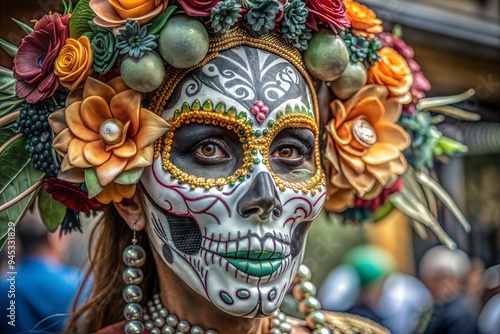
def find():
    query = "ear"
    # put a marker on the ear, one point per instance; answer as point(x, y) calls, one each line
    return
point(130, 210)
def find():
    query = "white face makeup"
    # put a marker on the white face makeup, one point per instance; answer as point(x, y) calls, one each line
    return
point(232, 195)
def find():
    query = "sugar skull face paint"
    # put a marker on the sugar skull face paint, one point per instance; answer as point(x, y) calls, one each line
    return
point(238, 181)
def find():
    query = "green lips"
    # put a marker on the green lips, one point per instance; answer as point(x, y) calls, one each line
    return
point(255, 263)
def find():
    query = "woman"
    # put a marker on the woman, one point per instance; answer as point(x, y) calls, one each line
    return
point(198, 135)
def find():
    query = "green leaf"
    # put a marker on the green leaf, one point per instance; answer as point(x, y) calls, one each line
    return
point(92, 183)
point(3, 241)
point(427, 181)
point(9, 48)
point(383, 211)
point(78, 25)
point(8, 106)
point(159, 22)
point(129, 177)
point(16, 175)
point(26, 28)
point(51, 211)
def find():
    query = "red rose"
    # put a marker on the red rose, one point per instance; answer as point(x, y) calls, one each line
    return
point(34, 61)
point(373, 204)
point(200, 8)
point(72, 196)
point(331, 12)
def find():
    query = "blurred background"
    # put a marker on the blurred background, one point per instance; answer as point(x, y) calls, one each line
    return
point(457, 44)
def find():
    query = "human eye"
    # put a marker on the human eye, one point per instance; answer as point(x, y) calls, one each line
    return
point(211, 151)
point(293, 152)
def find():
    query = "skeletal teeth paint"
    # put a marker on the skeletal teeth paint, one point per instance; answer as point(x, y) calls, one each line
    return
point(230, 200)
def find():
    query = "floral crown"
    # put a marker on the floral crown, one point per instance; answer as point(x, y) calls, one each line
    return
point(75, 134)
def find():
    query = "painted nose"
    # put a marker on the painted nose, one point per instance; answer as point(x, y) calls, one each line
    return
point(260, 199)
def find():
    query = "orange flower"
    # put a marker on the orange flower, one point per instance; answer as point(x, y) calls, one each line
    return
point(364, 148)
point(105, 128)
point(74, 63)
point(364, 22)
point(393, 72)
point(114, 13)
point(116, 192)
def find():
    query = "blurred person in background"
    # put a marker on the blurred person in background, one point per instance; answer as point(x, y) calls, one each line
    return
point(44, 286)
point(356, 286)
point(445, 272)
point(489, 319)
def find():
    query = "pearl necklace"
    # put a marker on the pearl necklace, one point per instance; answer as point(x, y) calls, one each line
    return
point(157, 320)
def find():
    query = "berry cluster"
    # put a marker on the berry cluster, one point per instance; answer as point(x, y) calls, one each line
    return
point(33, 124)
point(260, 110)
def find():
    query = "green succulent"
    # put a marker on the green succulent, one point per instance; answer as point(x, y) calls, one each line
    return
point(358, 46)
point(424, 138)
point(103, 43)
point(261, 16)
point(224, 15)
point(293, 26)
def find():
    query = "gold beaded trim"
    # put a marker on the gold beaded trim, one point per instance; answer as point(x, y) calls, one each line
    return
point(296, 121)
point(231, 121)
point(208, 118)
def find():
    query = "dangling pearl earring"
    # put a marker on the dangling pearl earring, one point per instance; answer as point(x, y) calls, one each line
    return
point(134, 257)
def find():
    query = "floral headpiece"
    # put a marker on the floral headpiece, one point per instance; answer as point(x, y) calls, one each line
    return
point(75, 134)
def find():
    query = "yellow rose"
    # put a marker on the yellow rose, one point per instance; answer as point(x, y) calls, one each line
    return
point(364, 22)
point(74, 63)
point(393, 72)
point(114, 13)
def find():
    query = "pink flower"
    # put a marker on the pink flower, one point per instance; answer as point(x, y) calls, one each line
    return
point(200, 8)
point(373, 204)
point(331, 12)
point(34, 61)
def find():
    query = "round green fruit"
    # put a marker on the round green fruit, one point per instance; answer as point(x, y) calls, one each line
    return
point(353, 78)
point(327, 56)
point(145, 74)
point(183, 42)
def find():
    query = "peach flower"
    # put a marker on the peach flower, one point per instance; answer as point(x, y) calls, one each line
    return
point(114, 13)
point(105, 128)
point(74, 63)
point(364, 148)
point(393, 72)
point(115, 192)
point(364, 22)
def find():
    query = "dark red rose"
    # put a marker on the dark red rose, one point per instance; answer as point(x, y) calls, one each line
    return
point(34, 61)
point(72, 196)
point(374, 204)
point(331, 12)
point(200, 8)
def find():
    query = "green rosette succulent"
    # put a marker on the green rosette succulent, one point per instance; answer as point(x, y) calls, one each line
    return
point(134, 40)
point(424, 138)
point(224, 15)
point(358, 46)
point(293, 26)
point(261, 16)
point(103, 43)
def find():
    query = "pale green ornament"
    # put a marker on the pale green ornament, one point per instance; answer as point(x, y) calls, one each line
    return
point(145, 74)
point(183, 42)
point(327, 56)
point(353, 78)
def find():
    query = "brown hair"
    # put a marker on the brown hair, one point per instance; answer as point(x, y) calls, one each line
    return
point(104, 306)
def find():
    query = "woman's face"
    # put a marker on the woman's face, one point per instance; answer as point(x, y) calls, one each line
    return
point(238, 180)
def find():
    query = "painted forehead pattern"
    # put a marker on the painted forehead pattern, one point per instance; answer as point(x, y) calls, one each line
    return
point(244, 75)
